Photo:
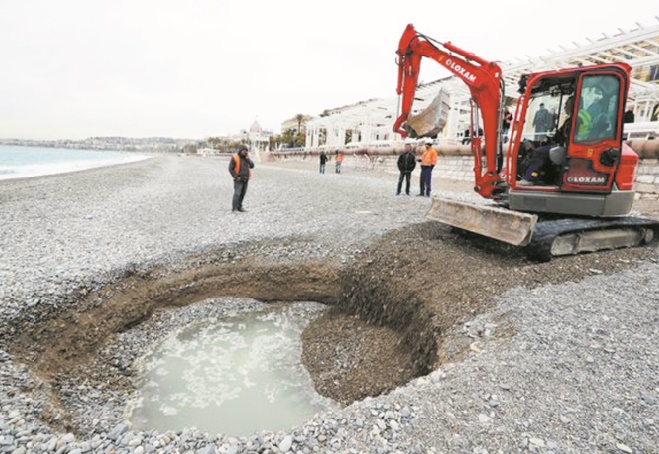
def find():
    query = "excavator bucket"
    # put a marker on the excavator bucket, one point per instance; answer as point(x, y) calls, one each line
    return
point(498, 223)
point(432, 119)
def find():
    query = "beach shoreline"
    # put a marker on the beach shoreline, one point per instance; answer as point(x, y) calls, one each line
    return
point(36, 167)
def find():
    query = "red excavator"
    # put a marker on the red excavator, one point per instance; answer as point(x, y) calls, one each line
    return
point(566, 186)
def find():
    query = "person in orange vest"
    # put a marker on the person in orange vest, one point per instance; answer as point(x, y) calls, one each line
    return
point(339, 160)
point(240, 169)
point(428, 162)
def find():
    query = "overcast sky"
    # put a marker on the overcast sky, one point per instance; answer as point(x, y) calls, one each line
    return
point(196, 68)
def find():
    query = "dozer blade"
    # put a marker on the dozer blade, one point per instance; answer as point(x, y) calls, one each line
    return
point(498, 223)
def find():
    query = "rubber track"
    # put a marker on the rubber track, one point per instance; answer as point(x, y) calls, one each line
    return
point(546, 231)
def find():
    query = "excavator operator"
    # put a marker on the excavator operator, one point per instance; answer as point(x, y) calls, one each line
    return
point(563, 132)
point(542, 164)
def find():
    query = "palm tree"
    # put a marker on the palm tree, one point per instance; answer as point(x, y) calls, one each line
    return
point(300, 118)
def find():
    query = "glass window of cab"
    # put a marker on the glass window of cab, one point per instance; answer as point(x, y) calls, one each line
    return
point(597, 114)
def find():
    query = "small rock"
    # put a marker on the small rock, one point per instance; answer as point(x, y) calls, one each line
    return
point(648, 399)
point(539, 442)
point(286, 443)
point(624, 448)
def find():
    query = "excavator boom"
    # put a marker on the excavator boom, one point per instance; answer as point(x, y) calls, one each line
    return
point(484, 81)
point(483, 78)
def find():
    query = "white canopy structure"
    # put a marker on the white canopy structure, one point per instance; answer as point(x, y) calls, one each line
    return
point(369, 123)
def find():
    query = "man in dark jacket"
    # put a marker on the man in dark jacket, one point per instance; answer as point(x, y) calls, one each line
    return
point(240, 169)
point(323, 161)
point(406, 164)
point(541, 122)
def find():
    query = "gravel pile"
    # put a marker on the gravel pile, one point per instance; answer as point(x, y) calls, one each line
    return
point(565, 368)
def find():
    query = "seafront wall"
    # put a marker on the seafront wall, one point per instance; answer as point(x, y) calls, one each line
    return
point(456, 163)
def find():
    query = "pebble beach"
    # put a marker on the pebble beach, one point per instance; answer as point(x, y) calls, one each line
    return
point(578, 370)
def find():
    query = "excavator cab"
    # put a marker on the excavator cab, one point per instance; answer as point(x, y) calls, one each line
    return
point(567, 151)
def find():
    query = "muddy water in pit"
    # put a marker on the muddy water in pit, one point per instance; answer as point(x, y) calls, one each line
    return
point(235, 375)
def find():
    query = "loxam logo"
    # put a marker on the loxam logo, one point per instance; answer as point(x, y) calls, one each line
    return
point(587, 180)
point(460, 70)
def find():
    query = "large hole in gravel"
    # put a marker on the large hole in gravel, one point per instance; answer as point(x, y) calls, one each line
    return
point(89, 355)
point(389, 316)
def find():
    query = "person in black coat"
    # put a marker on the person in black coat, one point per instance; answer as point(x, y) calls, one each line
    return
point(240, 168)
point(323, 161)
point(406, 164)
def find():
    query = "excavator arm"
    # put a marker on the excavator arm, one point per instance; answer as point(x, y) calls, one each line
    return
point(485, 85)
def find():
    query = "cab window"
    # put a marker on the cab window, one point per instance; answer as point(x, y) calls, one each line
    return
point(597, 114)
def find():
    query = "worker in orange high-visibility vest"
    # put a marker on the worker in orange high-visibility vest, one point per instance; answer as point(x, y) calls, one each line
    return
point(339, 161)
point(240, 169)
point(428, 162)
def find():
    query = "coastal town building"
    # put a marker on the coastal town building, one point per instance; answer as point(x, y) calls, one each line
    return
point(144, 144)
point(256, 138)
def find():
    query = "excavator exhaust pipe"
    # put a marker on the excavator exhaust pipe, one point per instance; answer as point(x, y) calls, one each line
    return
point(498, 223)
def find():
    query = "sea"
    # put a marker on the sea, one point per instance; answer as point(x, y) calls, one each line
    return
point(24, 162)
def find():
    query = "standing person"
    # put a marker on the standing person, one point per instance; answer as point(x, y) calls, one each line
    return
point(506, 121)
point(536, 166)
point(428, 162)
point(541, 122)
point(240, 169)
point(339, 160)
point(628, 117)
point(466, 138)
point(323, 161)
point(406, 164)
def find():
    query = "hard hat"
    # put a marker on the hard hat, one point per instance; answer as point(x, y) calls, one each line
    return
point(428, 142)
